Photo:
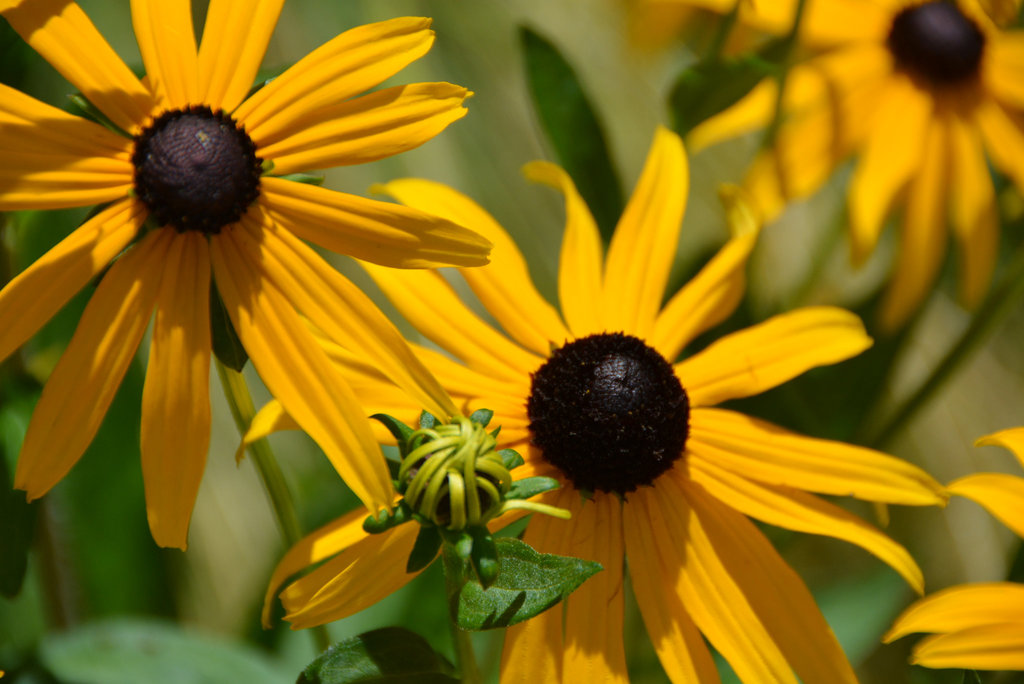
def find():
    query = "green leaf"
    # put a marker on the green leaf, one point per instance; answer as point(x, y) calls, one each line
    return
point(424, 549)
point(128, 651)
point(572, 128)
point(528, 583)
point(484, 556)
point(511, 458)
point(531, 486)
point(707, 88)
point(82, 107)
point(399, 430)
point(17, 516)
point(391, 654)
point(427, 421)
point(305, 178)
point(482, 416)
point(226, 344)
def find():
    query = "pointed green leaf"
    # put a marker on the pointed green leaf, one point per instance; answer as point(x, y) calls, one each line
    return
point(391, 654)
point(531, 486)
point(427, 421)
point(572, 128)
point(511, 458)
point(399, 430)
point(709, 87)
point(528, 583)
point(305, 178)
point(424, 549)
point(226, 345)
point(482, 416)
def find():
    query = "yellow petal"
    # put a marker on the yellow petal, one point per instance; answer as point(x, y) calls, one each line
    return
point(1002, 66)
point(992, 647)
point(367, 128)
point(357, 60)
point(768, 354)
point(753, 111)
point(923, 240)
point(594, 612)
point(364, 572)
point(972, 211)
point(83, 384)
point(891, 156)
point(677, 641)
point(297, 372)
point(53, 159)
point(61, 32)
point(338, 308)
point(999, 494)
point(961, 607)
point(581, 258)
point(167, 41)
point(235, 39)
point(386, 234)
point(427, 301)
point(795, 510)
point(268, 420)
point(1004, 139)
point(713, 294)
point(1012, 439)
point(41, 290)
point(176, 396)
point(644, 245)
point(758, 450)
point(777, 595)
point(505, 286)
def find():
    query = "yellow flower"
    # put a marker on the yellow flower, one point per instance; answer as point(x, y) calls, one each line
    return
point(923, 93)
point(596, 399)
point(194, 163)
point(976, 626)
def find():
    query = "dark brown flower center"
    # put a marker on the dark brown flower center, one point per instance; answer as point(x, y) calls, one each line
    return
point(935, 41)
point(196, 169)
point(609, 412)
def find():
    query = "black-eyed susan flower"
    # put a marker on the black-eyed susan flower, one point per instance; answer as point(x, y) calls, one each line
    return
point(196, 161)
point(652, 473)
point(976, 626)
point(924, 95)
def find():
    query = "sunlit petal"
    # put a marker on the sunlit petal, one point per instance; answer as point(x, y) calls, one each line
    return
point(1012, 439)
point(990, 647)
point(961, 607)
point(167, 41)
point(1000, 494)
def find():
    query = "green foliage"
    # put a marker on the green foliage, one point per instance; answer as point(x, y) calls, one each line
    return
point(391, 654)
point(527, 584)
point(17, 516)
point(226, 345)
point(531, 486)
point(711, 86)
point(572, 128)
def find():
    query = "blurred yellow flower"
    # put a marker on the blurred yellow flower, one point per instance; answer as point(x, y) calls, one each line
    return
point(923, 94)
point(194, 160)
point(976, 626)
point(595, 398)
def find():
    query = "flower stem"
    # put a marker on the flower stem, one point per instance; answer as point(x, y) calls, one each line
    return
point(465, 659)
point(992, 311)
point(236, 390)
point(725, 27)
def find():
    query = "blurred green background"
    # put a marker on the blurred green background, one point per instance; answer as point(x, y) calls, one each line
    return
point(92, 557)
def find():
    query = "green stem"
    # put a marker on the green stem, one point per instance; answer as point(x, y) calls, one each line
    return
point(236, 390)
point(722, 34)
point(465, 658)
point(994, 309)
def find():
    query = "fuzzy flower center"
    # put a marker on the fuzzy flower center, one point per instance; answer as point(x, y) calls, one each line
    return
point(196, 169)
point(935, 41)
point(609, 412)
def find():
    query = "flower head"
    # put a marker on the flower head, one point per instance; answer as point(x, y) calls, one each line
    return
point(597, 398)
point(198, 195)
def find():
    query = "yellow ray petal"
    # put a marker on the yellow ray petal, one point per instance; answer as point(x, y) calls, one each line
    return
point(840, 22)
point(751, 112)
point(777, 595)
point(768, 354)
point(1012, 439)
point(793, 509)
point(581, 258)
point(758, 450)
point(1004, 139)
point(83, 384)
point(364, 572)
point(53, 159)
point(892, 154)
point(594, 612)
point(1000, 494)
point(1002, 67)
point(176, 396)
point(268, 420)
point(336, 306)
point(167, 42)
point(428, 302)
point(464, 382)
point(505, 286)
point(923, 239)
point(235, 39)
point(695, 581)
point(61, 32)
point(972, 211)
point(297, 372)
point(644, 245)
point(533, 649)
point(367, 128)
point(384, 233)
point(991, 647)
point(961, 607)
point(41, 290)
point(357, 60)
point(713, 294)
point(678, 642)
